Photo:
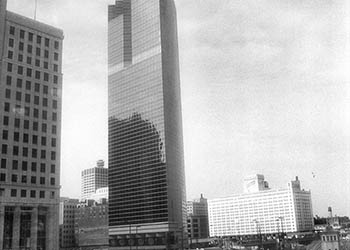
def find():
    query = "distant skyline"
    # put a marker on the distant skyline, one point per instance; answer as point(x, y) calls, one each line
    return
point(265, 89)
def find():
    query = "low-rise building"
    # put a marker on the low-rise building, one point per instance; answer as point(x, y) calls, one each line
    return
point(66, 222)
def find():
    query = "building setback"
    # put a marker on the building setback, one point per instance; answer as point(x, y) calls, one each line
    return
point(265, 211)
point(93, 179)
point(147, 202)
point(30, 118)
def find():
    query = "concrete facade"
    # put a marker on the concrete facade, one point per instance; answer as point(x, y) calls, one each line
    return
point(93, 179)
point(30, 117)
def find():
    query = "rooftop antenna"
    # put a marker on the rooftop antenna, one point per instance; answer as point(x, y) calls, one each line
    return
point(36, 3)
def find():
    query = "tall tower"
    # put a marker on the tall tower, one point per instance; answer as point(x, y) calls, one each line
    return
point(30, 118)
point(147, 201)
point(93, 179)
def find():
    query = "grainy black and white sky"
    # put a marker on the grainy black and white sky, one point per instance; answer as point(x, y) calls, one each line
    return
point(265, 89)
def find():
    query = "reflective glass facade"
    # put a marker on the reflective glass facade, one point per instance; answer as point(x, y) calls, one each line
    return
point(146, 167)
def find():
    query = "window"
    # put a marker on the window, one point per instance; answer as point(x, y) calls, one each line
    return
point(37, 62)
point(37, 75)
point(34, 153)
point(52, 181)
point(25, 138)
point(23, 193)
point(38, 39)
point(44, 127)
point(43, 154)
point(33, 168)
point(24, 179)
point(55, 67)
point(43, 141)
point(9, 67)
point(30, 37)
point(42, 167)
point(53, 142)
point(11, 42)
point(8, 80)
point(45, 89)
point(16, 136)
point(26, 124)
point(3, 163)
point(52, 196)
point(17, 122)
point(55, 79)
point(20, 70)
point(13, 192)
point(56, 45)
point(53, 169)
point(35, 139)
point(24, 165)
point(42, 194)
point(53, 155)
point(29, 60)
point(46, 77)
point(5, 135)
point(10, 54)
point(28, 85)
point(29, 72)
point(37, 51)
point(6, 120)
point(2, 177)
point(25, 152)
point(37, 87)
point(35, 126)
point(8, 93)
point(44, 114)
point(54, 92)
point(42, 180)
point(45, 102)
point(12, 30)
point(33, 180)
point(27, 98)
point(47, 42)
point(36, 113)
point(18, 96)
point(19, 83)
point(46, 54)
point(15, 150)
point(36, 100)
point(21, 34)
point(14, 178)
point(7, 107)
point(32, 194)
point(20, 57)
point(55, 56)
point(26, 111)
point(14, 164)
point(46, 65)
point(29, 48)
point(21, 46)
point(54, 129)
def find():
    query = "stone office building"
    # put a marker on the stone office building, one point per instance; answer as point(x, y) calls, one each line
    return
point(30, 118)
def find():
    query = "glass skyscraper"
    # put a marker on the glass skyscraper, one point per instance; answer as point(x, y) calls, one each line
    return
point(147, 201)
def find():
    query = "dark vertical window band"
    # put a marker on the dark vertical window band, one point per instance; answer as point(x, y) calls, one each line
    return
point(127, 33)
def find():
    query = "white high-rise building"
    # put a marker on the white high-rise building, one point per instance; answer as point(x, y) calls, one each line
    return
point(93, 179)
point(264, 211)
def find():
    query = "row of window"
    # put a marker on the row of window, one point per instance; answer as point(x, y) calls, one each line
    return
point(24, 165)
point(29, 60)
point(25, 138)
point(28, 85)
point(25, 150)
point(19, 96)
point(10, 53)
point(25, 180)
point(30, 37)
point(26, 112)
point(23, 193)
point(30, 72)
point(26, 123)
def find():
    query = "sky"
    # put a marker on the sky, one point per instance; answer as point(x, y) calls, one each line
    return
point(265, 89)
